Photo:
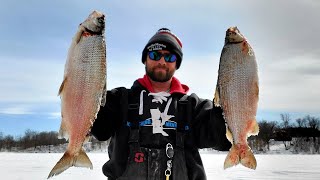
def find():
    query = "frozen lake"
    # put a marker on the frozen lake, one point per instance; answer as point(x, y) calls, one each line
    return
point(36, 166)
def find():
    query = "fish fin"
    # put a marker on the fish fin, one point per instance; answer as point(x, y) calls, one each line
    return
point(87, 139)
point(63, 164)
point(82, 160)
point(68, 160)
point(78, 36)
point(63, 133)
point(232, 158)
point(229, 135)
point(254, 128)
point(247, 158)
point(217, 97)
point(62, 85)
point(104, 95)
point(245, 47)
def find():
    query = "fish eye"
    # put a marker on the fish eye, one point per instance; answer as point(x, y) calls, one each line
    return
point(100, 20)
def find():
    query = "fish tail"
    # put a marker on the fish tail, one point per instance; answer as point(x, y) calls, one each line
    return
point(247, 158)
point(242, 154)
point(69, 160)
point(232, 158)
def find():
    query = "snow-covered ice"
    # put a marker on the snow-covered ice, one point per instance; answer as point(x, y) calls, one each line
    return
point(36, 166)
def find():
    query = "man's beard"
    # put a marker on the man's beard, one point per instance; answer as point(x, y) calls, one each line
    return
point(159, 76)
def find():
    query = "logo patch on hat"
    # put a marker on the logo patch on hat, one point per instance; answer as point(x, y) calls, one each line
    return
point(156, 46)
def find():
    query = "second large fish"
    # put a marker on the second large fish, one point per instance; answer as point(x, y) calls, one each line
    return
point(83, 90)
point(237, 93)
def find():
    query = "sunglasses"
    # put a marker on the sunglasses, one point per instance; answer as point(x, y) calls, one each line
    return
point(168, 57)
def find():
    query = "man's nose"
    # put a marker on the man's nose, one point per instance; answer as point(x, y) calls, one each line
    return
point(162, 61)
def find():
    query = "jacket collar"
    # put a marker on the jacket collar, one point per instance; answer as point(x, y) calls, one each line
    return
point(176, 86)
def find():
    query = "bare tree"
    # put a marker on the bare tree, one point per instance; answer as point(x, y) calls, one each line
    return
point(266, 131)
point(1, 140)
point(29, 139)
point(301, 122)
point(285, 118)
point(313, 122)
point(8, 142)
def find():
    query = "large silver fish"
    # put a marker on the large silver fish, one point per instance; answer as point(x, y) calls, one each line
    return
point(82, 91)
point(237, 93)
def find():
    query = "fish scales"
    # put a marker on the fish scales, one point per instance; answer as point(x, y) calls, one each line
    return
point(82, 91)
point(234, 84)
point(237, 94)
point(88, 76)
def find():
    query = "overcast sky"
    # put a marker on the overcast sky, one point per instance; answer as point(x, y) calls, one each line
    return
point(36, 35)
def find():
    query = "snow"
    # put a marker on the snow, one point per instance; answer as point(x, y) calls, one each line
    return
point(22, 166)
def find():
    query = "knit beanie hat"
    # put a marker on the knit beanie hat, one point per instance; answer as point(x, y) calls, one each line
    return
point(164, 39)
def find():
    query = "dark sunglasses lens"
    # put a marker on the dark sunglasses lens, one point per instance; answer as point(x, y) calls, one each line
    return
point(154, 55)
point(170, 57)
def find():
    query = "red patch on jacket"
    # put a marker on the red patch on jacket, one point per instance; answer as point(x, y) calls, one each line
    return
point(176, 86)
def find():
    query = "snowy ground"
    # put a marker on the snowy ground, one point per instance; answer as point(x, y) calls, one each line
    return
point(36, 166)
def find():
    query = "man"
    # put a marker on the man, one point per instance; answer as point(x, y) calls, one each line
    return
point(155, 128)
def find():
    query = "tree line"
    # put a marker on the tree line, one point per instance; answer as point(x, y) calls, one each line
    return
point(34, 141)
point(303, 134)
point(30, 139)
point(299, 135)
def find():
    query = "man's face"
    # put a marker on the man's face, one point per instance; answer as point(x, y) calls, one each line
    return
point(160, 70)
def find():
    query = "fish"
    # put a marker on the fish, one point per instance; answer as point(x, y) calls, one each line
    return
point(82, 91)
point(237, 93)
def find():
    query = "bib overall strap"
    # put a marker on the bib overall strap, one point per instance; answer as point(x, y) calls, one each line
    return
point(182, 121)
point(134, 140)
point(124, 104)
point(134, 127)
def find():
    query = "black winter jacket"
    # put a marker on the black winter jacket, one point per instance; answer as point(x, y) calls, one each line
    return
point(205, 128)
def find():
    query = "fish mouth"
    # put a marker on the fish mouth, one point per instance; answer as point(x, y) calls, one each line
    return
point(100, 21)
point(233, 40)
point(94, 32)
point(234, 36)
